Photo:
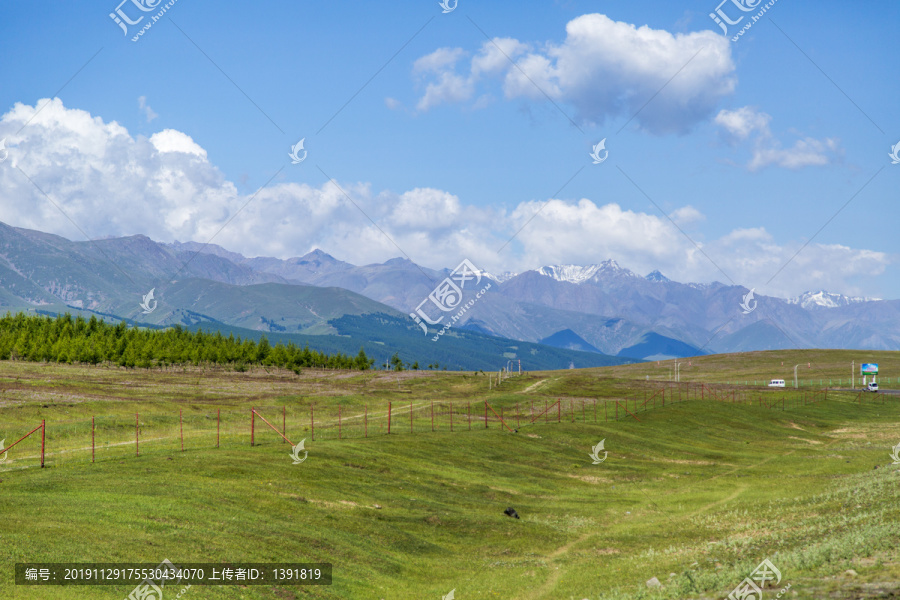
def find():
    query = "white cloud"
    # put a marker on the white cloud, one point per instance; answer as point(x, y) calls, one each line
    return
point(449, 88)
point(606, 69)
point(746, 122)
point(148, 112)
point(742, 122)
point(495, 56)
point(113, 184)
point(687, 215)
point(107, 181)
point(808, 152)
point(585, 233)
point(438, 61)
point(170, 140)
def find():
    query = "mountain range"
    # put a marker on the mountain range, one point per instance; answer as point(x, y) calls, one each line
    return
point(602, 309)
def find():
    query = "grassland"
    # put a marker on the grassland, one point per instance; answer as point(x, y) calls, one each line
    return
point(695, 493)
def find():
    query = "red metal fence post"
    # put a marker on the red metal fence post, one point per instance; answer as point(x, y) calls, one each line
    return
point(218, 424)
point(283, 421)
point(339, 421)
point(252, 424)
point(181, 428)
point(389, 418)
point(92, 439)
point(485, 414)
point(275, 429)
point(137, 446)
point(558, 410)
point(43, 431)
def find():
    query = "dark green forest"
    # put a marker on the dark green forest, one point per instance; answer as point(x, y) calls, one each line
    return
point(65, 339)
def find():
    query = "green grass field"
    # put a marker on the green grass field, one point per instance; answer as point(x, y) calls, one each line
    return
point(695, 493)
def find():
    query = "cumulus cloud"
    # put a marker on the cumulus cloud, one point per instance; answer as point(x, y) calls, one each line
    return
point(106, 180)
point(438, 61)
point(448, 88)
point(447, 85)
point(603, 69)
point(739, 124)
point(112, 184)
point(808, 152)
point(171, 140)
point(584, 233)
point(748, 123)
point(148, 112)
point(495, 56)
point(686, 215)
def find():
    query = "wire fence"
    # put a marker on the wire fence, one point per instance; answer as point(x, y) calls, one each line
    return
point(155, 432)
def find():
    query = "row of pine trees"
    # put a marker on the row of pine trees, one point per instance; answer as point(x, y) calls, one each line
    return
point(65, 339)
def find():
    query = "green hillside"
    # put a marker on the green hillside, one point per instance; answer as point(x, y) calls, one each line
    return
point(263, 307)
point(695, 494)
point(383, 335)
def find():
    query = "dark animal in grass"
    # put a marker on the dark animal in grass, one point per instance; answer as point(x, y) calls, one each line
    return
point(511, 512)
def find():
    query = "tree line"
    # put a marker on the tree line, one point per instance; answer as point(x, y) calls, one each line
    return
point(65, 339)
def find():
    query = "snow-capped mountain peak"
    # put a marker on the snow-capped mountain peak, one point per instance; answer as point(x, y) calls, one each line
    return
point(825, 299)
point(499, 277)
point(580, 274)
point(657, 277)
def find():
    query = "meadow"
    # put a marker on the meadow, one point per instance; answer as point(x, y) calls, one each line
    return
point(695, 493)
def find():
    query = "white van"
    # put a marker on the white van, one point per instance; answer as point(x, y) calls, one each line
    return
point(872, 387)
point(776, 383)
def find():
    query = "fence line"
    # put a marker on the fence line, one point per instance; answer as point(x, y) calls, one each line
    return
point(107, 437)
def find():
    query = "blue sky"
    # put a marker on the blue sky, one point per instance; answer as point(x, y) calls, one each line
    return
point(745, 149)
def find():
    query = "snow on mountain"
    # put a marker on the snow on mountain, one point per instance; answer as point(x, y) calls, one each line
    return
point(657, 277)
point(825, 299)
point(580, 274)
point(500, 277)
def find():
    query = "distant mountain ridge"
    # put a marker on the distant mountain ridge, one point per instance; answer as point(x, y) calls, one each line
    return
point(610, 308)
point(601, 307)
point(206, 286)
point(581, 274)
point(823, 299)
